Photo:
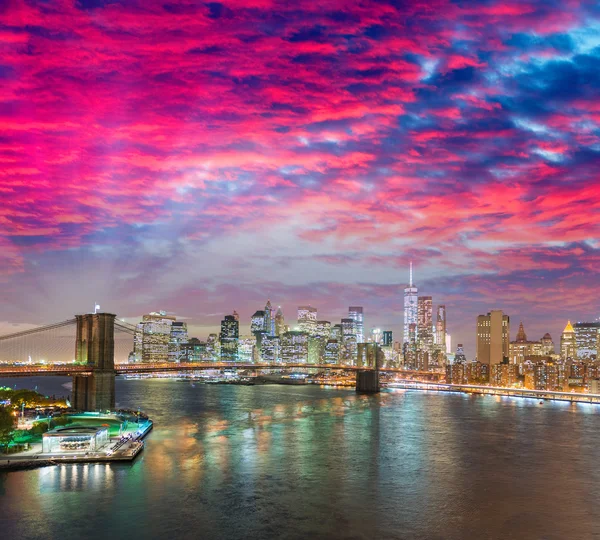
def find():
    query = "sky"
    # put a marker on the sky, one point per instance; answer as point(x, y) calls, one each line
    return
point(200, 157)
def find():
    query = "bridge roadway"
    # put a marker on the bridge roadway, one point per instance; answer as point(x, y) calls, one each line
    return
point(9, 370)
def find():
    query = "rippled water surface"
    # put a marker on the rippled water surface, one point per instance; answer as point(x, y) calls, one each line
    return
point(309, 462)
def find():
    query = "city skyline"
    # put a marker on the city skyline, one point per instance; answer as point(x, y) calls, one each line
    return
point(203, 157)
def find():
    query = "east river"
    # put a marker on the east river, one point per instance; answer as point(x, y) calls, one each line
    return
point(308, 462)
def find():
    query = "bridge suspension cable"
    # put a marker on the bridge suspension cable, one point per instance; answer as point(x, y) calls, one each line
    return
point(46, 328)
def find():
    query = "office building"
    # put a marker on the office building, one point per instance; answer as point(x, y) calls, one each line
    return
point(348, 341)
point(410, 306)
point(356, 314)
point(587, 338)
point(177, 338)
point(307, 319)
point(294, 347)
point(229, 338)
point(568, 343)
point(493, 337)
point(387, 339)
point(279, 322)
point(440, 329)
point(152, 337)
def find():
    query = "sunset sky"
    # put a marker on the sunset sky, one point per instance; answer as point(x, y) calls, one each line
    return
point(200, 157)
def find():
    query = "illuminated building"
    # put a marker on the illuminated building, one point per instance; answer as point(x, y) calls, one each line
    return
point(269, 319)
point(322, 329)
point(336, 332)
point(493, 331)
point(425, 324)
point(440, 329)
point(410, 306)
point(213, 348)
point(279, 322)
point(332, 352)
point(549, 375)
point(367, 353)
point(177, 338)
point(547, 345)
point(460, 354)
point(477, 372)
point(587, 337)
point(409, 348)
point(455, 373)
point(152, 337)
point(307, 319)
point(504, 374)
point(356, 314)
point(294, 347)
point(388, 339)
point(348, 341)
point(376, 335)
point(568, 343)
point(257, 322)
point(448, 343)
point(194, 351)
point(270, 352)
point(247, 349)
point(316, 347)
point(521, 348)
point(229, 338)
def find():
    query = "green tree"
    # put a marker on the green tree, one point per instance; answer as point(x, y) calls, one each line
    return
point(7, 426)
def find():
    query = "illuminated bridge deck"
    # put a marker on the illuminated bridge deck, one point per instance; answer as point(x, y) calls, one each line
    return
point(125, 369)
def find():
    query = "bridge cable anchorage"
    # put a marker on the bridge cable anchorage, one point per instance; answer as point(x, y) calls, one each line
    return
point(25, 333)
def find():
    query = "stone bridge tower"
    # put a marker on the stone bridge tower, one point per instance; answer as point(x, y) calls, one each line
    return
point(95, 347)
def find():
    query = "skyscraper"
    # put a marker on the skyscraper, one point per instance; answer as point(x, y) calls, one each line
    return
point(440, 329)
point(279, 322)
point(493, 336)
point(177, 339)
point(356, 314)
point(349, 341)
point(587, 336)
point(229, 337)
point(410, 306)
point(425, 324)
point(388, 339)
point(152, 337)
point(269, 319)
point(568, 343)
point(307, 319)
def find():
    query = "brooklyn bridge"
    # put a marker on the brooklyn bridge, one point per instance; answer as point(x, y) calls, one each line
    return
point(93, 367)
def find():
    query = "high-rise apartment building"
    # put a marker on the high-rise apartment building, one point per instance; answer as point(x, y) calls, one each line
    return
point(493, 337)
point(356, 314)
point(410, 306)
point(587, 337)
point(229, 338)
point(568, 343)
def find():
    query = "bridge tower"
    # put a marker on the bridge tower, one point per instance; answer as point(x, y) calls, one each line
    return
point(95, 347)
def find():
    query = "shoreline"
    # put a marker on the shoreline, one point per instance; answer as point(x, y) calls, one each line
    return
point(544, 395)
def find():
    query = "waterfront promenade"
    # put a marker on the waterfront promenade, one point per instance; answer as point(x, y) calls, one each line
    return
point(575, 397)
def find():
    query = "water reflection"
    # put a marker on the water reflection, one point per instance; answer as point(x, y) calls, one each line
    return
point(242, 462)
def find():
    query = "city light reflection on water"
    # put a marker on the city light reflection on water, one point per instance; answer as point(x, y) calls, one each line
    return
point(241, 462)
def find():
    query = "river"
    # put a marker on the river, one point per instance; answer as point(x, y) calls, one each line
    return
point(309, 462)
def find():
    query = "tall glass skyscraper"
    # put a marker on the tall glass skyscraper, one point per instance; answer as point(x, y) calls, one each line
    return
point(356, 314)
point(410, 306)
